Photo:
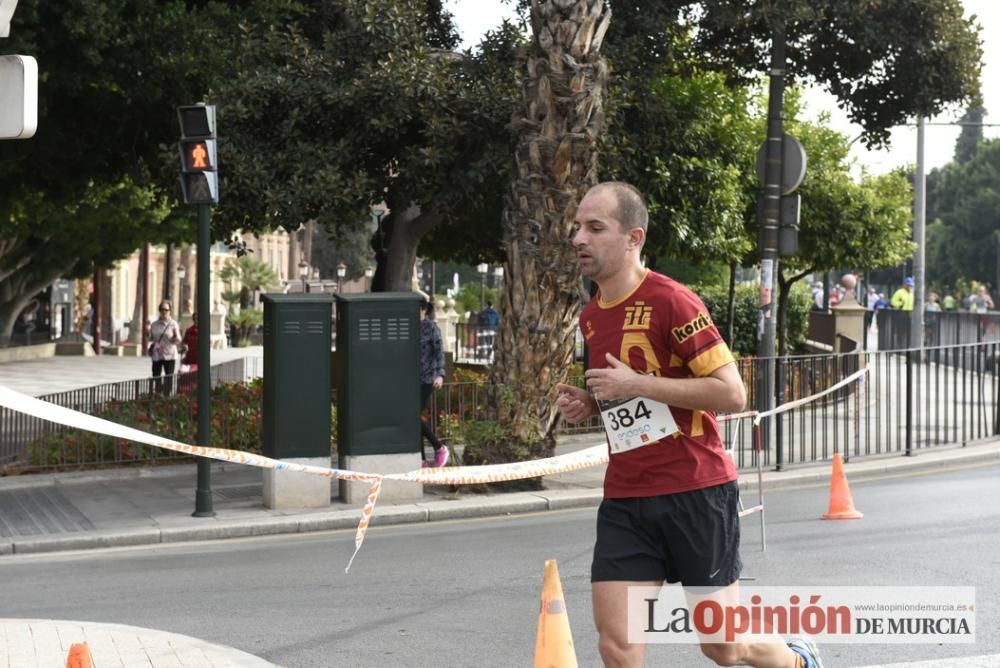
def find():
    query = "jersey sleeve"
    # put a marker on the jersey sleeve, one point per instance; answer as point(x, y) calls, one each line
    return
point(694, 337)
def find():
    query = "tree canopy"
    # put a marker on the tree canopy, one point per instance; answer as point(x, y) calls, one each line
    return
point(92, 184)
point(962, 241)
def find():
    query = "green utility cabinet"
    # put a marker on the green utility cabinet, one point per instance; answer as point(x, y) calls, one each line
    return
point(296, 412)
point(377, 373)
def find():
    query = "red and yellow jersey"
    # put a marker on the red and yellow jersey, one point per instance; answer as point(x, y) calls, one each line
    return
point(662, 328)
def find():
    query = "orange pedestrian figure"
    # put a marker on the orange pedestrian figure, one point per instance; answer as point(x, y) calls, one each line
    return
point(198, 154)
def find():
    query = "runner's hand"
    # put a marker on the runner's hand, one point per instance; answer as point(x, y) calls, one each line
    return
point(575, 404)
point(613, 383)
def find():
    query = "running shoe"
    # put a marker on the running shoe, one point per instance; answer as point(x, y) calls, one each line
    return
point(807, 650)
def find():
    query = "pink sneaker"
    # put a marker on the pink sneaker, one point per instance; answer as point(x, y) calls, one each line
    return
point(424, 464)
point(441, 457)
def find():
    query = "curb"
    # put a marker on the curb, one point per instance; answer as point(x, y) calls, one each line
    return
point(432, 511)
point(487, 505)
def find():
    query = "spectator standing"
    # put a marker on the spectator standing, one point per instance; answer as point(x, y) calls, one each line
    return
point(931, 311)
point(190, 345)
point(902, 299)
point(489, 322)
point(949, 303)
point(489, 318)
point(817, 295)
point(981, 302)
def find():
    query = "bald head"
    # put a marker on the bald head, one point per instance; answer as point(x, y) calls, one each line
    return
point(632, 210)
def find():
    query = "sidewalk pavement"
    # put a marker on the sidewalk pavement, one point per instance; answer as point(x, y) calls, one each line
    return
point(49, 375)
point(45, 643)
point(138, 506)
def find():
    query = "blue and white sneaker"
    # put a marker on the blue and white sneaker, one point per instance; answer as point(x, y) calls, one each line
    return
point(807, 650)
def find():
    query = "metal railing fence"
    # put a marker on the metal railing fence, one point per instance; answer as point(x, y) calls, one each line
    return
point(475, 344)
point(909, 400)
point(165, 405)
point(906, 402)
point(941, 328)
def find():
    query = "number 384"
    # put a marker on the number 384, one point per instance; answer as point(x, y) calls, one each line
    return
point(623, 417)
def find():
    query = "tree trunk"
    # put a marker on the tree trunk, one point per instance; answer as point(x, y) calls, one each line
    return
point(15, 293)
point(784, 292)
point(400, 234)
point(135, 329)
point(8, 317)
point(81, 305)
point(731, 305)
point(170, 262)
point(555, 164)
point(185, 305)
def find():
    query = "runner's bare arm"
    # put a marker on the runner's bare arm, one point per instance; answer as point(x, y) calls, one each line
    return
point(721, 391)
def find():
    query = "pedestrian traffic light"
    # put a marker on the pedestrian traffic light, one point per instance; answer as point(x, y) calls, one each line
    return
point(199, 154)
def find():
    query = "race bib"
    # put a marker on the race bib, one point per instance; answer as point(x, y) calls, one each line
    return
point(633, 423)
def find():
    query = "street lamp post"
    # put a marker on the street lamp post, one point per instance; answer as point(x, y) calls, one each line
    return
point(483, 269)
point(341, 272)
point(304, 275)
point(369, 274)
point(181, 275)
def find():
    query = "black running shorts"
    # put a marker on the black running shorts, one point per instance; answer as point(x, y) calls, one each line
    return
point(691, 537)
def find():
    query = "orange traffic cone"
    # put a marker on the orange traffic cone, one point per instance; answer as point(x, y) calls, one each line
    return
point(554, 641)
point(79, 656)
point(841, 503)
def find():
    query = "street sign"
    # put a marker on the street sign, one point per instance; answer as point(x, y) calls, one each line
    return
point(18, 96)
point(793, 163)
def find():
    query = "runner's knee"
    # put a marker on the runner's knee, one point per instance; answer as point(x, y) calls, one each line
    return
point(617, 652)
point(723, 654)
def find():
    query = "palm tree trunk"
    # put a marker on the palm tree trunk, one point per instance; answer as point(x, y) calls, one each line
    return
point(555, 163)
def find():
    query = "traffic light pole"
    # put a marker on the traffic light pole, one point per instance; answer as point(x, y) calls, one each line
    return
point(203, 493)
point(770, 219)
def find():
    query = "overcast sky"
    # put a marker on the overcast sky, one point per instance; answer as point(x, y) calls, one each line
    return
point(476, 16)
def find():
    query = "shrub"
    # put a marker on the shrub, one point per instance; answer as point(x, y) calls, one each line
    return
point(235, 424)
point(744, 343)
point(489, 442)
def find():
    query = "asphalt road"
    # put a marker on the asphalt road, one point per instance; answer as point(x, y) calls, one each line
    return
point(465, 593)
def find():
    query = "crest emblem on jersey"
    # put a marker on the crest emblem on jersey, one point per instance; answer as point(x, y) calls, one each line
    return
point(637, 316)
point(689, 329)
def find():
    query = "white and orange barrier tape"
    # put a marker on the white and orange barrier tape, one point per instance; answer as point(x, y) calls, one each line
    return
point(465, 475)
point(791, 405)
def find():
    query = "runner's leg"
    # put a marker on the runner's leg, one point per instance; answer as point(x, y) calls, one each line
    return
point(610, 599)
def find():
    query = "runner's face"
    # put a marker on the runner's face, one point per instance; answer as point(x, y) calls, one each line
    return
point(600, 241)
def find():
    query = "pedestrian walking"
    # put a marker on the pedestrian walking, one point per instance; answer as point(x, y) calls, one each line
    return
point(164, 335)
point(657, 365)
point(431, 377)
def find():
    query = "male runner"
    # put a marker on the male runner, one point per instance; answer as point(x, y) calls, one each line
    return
point(658, 372)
